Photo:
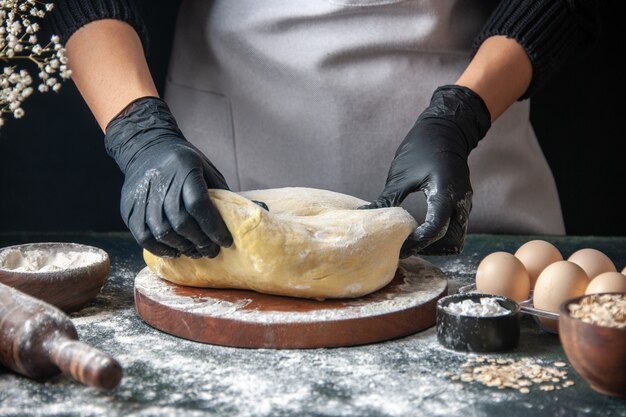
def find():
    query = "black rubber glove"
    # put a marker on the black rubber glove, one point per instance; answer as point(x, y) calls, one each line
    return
point(433, 159)
point(165, 202)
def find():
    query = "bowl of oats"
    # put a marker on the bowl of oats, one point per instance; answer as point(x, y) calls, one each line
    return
point(592, 329)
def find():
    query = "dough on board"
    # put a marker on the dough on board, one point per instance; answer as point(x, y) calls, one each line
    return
point(312, 243)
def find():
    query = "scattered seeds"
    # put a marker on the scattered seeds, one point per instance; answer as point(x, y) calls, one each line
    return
point(503, 373)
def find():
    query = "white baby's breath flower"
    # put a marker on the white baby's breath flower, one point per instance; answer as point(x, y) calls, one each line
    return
point(20, 43)
point(28, 91)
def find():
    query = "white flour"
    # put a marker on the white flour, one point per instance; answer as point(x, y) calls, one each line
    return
point(39, 260)
point(165, 376)
point(488, 307)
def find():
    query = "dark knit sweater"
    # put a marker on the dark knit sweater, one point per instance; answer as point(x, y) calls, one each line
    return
point(551, 31)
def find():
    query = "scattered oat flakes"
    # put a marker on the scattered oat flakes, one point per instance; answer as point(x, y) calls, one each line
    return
point(521, 375)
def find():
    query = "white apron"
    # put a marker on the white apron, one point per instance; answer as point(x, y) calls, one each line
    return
point(320, 93)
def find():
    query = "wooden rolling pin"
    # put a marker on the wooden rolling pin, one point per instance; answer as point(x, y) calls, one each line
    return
point(40, 341)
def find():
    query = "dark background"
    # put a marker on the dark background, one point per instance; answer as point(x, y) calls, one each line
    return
point(56, 176)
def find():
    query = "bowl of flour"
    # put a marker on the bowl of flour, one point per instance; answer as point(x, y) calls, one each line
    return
point(66, 275)
point(478, 322)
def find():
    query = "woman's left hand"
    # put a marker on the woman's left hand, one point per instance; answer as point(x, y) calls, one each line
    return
point(433, 159)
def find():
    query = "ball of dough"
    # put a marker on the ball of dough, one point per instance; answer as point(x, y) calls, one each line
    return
point(536, 255)
point(501, 273)
point(311, 243)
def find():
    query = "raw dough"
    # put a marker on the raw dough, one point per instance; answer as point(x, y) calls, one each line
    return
point(312, 243)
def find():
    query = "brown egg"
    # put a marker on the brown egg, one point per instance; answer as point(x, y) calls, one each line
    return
point(607, 282)
point(593, 262)
point(558, 282)
point(536, 255)
point(503, 274)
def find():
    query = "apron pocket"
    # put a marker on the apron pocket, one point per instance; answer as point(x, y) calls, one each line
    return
point(206, 120)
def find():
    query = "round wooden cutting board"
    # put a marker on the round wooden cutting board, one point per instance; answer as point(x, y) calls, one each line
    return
point(249, 319)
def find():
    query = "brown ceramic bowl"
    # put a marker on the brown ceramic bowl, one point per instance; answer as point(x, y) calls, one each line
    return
point(597, 353)
point(69, 288)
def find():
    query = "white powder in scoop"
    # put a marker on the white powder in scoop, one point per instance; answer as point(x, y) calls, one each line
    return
point(488, 307)
point(37, 260)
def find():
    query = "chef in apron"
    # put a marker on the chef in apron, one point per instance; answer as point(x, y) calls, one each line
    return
point(326, 94)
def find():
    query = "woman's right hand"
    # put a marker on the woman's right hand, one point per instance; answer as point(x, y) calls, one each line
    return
point(165, 202)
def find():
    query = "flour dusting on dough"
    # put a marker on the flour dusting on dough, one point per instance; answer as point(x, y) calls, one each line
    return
point(311, 244)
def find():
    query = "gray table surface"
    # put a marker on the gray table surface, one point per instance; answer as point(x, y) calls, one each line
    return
point(168, 376)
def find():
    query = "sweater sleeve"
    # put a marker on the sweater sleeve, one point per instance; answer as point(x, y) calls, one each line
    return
point(70, 15)
point(550, 31)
